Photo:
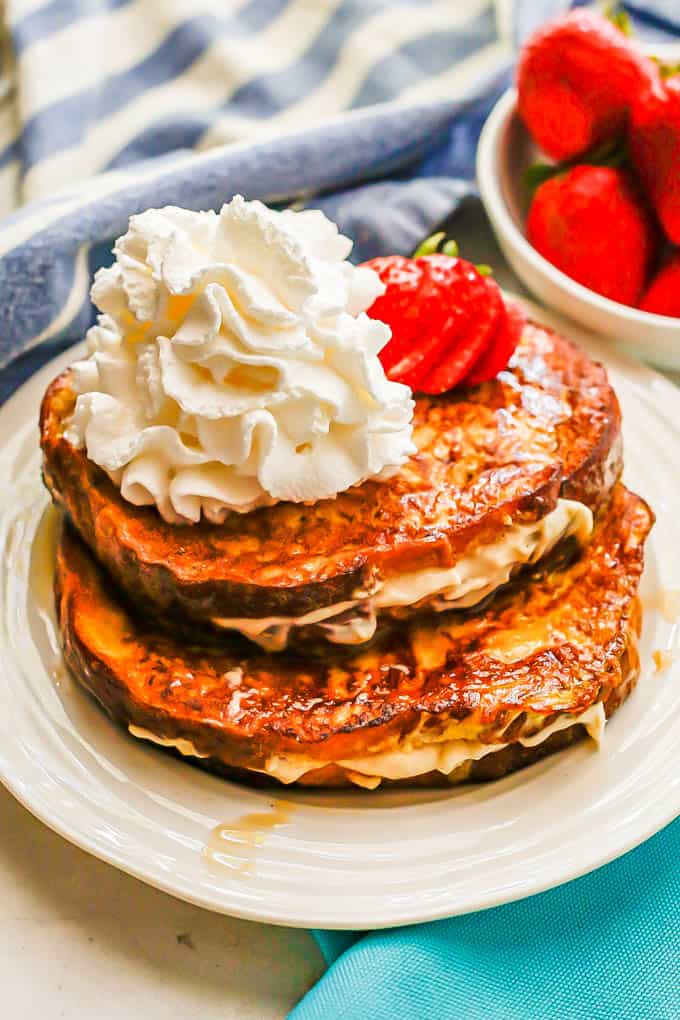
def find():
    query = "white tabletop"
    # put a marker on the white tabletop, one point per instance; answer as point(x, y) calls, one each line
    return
point(79, 939)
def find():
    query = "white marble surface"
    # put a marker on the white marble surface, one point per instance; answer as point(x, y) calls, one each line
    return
point(79, 940)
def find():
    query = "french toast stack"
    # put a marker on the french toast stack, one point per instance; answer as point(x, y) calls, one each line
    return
point(455, 622)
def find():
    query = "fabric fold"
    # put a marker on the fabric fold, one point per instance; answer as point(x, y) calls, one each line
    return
point(603, 947)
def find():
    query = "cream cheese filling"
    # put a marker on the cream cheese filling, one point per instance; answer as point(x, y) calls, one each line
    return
point(185, 747)
point(369, 770)
point(465, 584)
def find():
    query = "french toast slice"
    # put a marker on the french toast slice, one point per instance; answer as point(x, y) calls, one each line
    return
point(439, 698)
point(488, 459)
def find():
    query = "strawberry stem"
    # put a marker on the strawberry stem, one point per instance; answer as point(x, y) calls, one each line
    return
point(619, 17)
point(612, 153)
point(666, 70)
point(433, 244)
point(539, 173)
point(429, 245)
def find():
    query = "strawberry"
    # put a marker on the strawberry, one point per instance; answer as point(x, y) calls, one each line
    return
point(577, 78)
point(663, 293)
point(403, 279)
point(463, 322)
point(592, 223)
point(654, 141)
point(497, 355)
point(448, 321)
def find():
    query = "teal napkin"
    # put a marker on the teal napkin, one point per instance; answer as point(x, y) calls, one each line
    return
point(603, 947)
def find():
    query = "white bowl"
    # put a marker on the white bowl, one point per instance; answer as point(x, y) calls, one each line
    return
point(505, 151)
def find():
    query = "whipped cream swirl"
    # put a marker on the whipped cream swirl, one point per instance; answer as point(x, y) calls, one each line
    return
point(234, 365)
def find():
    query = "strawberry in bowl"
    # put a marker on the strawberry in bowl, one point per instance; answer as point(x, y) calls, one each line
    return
point(577, 78)
point(592, 223)
point(654, 142)
point(662, 296)
point(591, 229)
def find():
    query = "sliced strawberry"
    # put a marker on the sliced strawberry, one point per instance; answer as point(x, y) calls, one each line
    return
point(498, 353)
point(482, 329)
point(451, 291)
point(413, 367)
point(443, 312)
point(400, 305)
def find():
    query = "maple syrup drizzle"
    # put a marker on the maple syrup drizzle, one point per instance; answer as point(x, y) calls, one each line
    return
point(666, 601)
point(234, 845)
point(663, 660)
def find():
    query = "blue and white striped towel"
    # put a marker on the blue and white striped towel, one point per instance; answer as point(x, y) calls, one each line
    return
point(108, 107)
point(111, 106)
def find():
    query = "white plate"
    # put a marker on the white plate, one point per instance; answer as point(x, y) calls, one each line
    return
point(345, 860)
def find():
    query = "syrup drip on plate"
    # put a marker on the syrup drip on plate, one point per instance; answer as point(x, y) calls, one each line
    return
point(663, 659)
point(666, 601)
point(234, 845)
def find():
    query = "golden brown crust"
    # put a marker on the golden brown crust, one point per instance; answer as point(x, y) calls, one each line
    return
point(508, 449)
point(499, 763)
point(557, 644)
